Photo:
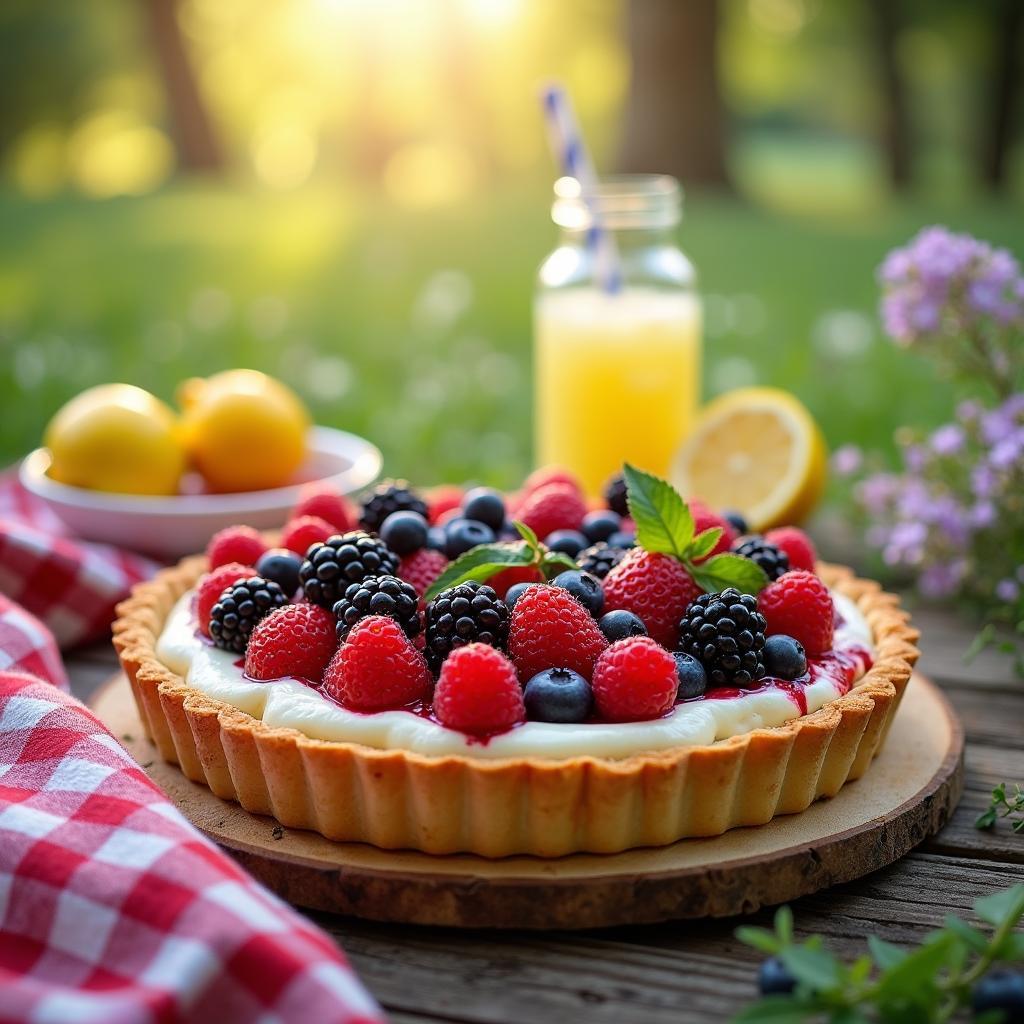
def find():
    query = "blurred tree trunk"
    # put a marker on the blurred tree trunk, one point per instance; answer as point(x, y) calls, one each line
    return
point(895, 127)
point(675, 117)
point(1007, 71)
point(194, 137)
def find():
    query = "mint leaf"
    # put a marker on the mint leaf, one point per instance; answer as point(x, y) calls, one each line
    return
point(555, 562)
point(885, 953)
point(705, 542)
point(816, 968)
point(722, 571)
point(663, 521)
point(1001, 906)
point(480, 564)
point(528, 535)
point(773, 1010)
point(759, 938)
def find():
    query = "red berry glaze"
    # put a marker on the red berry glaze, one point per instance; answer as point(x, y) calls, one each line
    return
point(377, 668)
point(635, 680)
point(296, 640)
point(654, 587)
point(330, 506)
point(796, 544)
point(554, 507)
point(478, 691)
point(212, 585)
point(240, 544)
point(549, 628)
point(799, 605)
point(421, 568)
point(300, 534)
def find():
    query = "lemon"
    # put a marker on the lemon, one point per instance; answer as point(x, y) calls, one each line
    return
point(119, 438)
point(756, 450)
point(244, 431)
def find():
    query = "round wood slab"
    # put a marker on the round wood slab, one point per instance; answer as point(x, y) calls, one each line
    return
point(907, 795)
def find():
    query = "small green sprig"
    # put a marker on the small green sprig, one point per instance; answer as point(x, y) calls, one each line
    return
point(1004, 806)
point(888, 984)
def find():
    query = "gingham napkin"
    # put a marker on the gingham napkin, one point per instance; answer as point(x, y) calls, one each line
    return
point(70, 585)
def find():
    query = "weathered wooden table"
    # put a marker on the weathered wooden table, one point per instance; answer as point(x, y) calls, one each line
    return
point(697, 971)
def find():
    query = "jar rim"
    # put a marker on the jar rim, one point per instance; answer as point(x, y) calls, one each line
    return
point(623, 201)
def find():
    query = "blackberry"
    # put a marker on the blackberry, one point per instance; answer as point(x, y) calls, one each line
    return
point(600, 559)
point(387, 497)
point(340, 560)
point(239, 608)
point(773, 560)
point(615, 495)
point(378, 595)
point(725, 633)
point(468, 613)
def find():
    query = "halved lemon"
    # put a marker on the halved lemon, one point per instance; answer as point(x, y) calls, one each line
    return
point(758, 451)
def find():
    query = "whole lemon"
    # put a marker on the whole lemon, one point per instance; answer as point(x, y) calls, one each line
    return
point(244, 431)
point(116, 437)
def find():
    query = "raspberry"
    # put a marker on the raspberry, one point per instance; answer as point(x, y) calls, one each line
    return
point(421, 568)
point(442, 499)
point(705, 519)
point(796, 545)
point(799, 605)
point(555, 507)
point(377, 668)
point(654, 587)
point(551, 629)
point(478, 691)
point(299, 535)
point(240, 544)
point(547, 475)
point(330, 506)
point(212, 585)
point(635, 680)
point(501, 581)
point(296, 640)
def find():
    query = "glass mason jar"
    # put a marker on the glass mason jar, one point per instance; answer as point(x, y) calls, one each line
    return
point(616, 374)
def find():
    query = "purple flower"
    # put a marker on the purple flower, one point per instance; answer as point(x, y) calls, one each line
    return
point(981, 515)
point(942, 579)
point(948, 439)
point(847, 460)
point(984, 481)
point(1008, 590)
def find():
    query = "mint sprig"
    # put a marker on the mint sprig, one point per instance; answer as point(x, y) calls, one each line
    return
point(487, 560)
point(664, 525)
point(1002, 805)
point(929, 984)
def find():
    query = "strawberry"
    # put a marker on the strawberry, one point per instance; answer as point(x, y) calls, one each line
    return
point(705, 519)
point(240, 544)
point(553, 507)
point(421, 568)
point(212, 585)
point(654, 587)
point(300, 534)
point(478, 691)
point(635, 680)
point(799, 605)
point(377, 668)
point(547, 475)
point(297, 640)
point(442, 499)
point(549, 628)
point(797, 546)
point(330, 506)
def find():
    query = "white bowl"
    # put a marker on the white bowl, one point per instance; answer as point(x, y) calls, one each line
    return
point(169, 527)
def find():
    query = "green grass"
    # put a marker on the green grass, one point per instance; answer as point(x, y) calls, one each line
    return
point(414, 328)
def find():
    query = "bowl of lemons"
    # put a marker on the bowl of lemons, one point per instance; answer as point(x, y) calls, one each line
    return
point(120, 466)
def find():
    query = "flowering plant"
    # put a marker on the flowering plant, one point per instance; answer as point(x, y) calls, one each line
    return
point(954, 514)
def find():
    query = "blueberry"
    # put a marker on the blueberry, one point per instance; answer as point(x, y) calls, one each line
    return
point(600, 525)
point(484, 506)
point(558, 695)
point(281, 566)
point(620, 624)
point(404, 532)
point(784, 657)
point(463, 534)
point(584, 587)
point(515, 592)
point(774, 978)
point(509, 532)
point(437, 539)
point(693, 680)
point(621, 539)
point(570, 542)
point(736, 521)
point(1000, 990)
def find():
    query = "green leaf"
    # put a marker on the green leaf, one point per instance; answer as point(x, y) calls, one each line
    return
point(816, 968)
point(759, 938)
point(705, 542)
point(1011, 949)
point(722, 571)
point(860, 970)
point(784, 923)
point(555, 562)
point(480, 564)
point(986, 819)
point(915, 973)
point(885, 954)
point(971, 937)
point(528, 535)
point(773, 1010)
point(663, 521)
point(1007, 905)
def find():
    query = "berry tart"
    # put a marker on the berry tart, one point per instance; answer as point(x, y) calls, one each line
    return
point(531, 673)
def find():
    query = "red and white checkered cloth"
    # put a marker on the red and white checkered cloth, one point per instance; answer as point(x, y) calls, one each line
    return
point(69, 584)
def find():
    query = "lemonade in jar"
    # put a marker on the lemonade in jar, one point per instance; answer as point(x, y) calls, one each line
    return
point(616, 369)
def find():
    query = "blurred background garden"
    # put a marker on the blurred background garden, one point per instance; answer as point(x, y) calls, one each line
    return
point(354, 196)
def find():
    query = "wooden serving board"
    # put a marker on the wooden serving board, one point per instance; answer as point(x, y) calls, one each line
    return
point(906, 796)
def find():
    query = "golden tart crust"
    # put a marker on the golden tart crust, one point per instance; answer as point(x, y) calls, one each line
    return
point(396, 799)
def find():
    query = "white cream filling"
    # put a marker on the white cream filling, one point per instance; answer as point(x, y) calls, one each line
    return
point(291, 704)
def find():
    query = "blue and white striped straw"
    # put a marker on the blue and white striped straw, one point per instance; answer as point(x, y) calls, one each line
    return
point(570, 151)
